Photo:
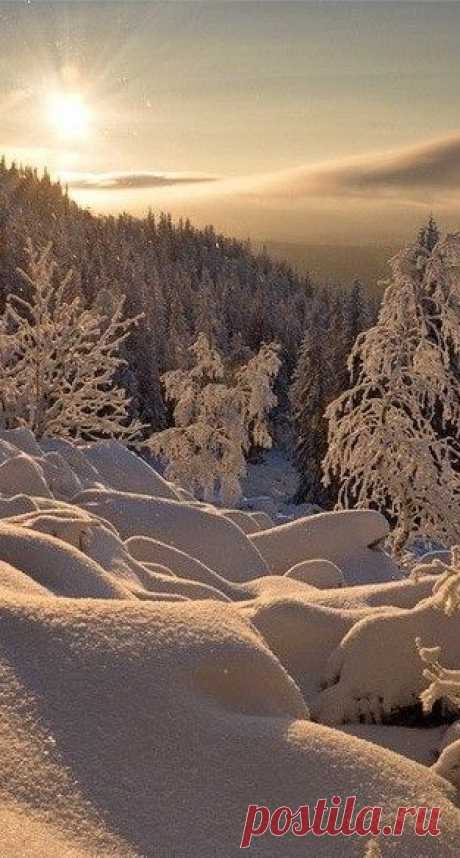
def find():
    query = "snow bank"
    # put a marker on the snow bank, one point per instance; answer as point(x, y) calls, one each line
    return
point(319, 573)
point(179, 562)
point(179, 704)
point(209, 537)
point(242, 519)
point(122, 470)
point(55, 565)
point(376, 670)
point(346, 538)
point(20, 474)
point(154, 655)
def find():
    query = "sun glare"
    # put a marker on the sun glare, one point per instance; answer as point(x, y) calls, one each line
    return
point(69, 115)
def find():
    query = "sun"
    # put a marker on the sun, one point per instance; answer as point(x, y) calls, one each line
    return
point(69, 115)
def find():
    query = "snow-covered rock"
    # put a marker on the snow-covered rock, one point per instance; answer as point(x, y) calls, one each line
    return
point(377, 670)
point(207, 536)
point(319, 573)
point(448, 765)
point(149, 704)
point(345, 538)
point(20, 474)
point(122, 470)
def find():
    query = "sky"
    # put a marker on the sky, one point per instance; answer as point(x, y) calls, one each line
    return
point(314, 122)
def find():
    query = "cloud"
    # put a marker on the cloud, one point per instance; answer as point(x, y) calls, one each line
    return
point(118, 181)
point(432, 168)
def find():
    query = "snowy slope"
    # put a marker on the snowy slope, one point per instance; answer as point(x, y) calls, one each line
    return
point(155, 655)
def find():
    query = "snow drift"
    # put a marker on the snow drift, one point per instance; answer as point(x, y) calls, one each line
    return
point(156, 653)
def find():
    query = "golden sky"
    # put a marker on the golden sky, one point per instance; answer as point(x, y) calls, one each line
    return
point(326, 121)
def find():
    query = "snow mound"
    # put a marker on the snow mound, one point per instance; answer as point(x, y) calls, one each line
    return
point(21, 474)
point(376, 670)
point(345, 538)
point(301, 633)
point(103, 546)
point(75, 458)
point(56, 565)
point(174, 703)
point(61, 479)
point(262, 519)
point(151, 551)
point(124, 471)
point(16, 505)
point(18, 582)
point(207, 536)
point(242, 519)
point(319, 573)
point(22, 439)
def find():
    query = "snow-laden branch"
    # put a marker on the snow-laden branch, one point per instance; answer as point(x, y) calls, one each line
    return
point(58, 360)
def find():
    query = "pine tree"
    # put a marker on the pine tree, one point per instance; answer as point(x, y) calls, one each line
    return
point(317, 379)
point(393, 437)
point(58, 361)
point(429, 235)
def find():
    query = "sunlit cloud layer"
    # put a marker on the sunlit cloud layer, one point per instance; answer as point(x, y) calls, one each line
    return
point(432, 167)
point(374, 197)
point(129, 180)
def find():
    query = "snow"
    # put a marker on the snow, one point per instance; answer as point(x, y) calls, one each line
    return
point(209, 537)
point(21, 473)
point(448, 765)
point(154, 653)
point(319, 573)
point(376, 687)
point(182, 703)
point(122, 470)
point(345, 538)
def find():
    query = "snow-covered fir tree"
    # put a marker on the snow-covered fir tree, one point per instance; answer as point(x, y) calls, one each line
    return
point(215, 422)
point(319, 377)
point(58, 360)
point(393, 437)
point(254, 383)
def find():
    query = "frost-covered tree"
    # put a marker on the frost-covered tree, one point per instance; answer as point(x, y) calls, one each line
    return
point(254, 383)
point(393, 437)
point(429, 235)
point(319, 376)
point(58, 360)
point(215, 422)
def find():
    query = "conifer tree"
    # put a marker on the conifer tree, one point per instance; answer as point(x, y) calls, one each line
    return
point(215, 422)
point(393, 436)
